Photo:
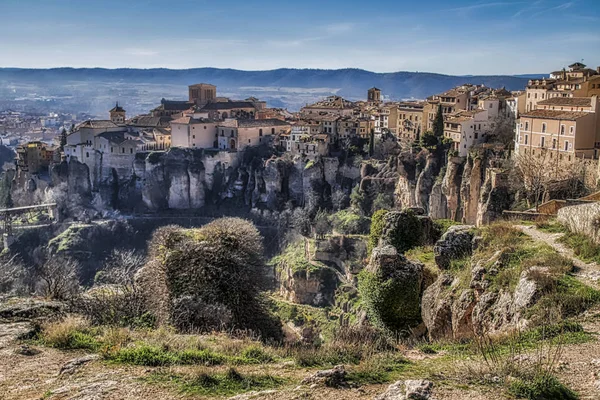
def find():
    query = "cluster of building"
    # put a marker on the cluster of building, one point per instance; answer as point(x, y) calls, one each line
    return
point(559, 116)
point(558, 113)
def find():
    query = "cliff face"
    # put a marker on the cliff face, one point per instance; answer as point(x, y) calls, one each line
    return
point(471, 190)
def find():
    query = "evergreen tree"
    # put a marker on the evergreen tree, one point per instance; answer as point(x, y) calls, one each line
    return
point(5, 192)
point(438, 123)
point(63, 139)
point(372, 143)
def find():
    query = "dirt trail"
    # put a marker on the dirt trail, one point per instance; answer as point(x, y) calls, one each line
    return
point(588, 273)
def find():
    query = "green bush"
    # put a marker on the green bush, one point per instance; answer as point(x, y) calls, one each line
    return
point(256, 355)
point(377, 224)
point(392, 304)
point(582, 246)
point(541, 387)
point(347, 222)
point(403, 230)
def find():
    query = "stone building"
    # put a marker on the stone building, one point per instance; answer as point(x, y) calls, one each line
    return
point(240, 134)
point(117, 114)
point(374, 95)
point(193, 132)
point(466, 129)
point(34, 157)
point(335, 105)
point(201, 94)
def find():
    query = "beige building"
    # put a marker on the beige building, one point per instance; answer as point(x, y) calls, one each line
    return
point(240, 134)
point(201, 94)
point(568, 127)
point(222, 110)
point(196, 133)
point(405, 120)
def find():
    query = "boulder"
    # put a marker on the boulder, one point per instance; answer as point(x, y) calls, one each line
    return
point(31, 309)
point(436, 308)
point(72, 365)
point(335, 377)
point(456, 243)
point(407, 390)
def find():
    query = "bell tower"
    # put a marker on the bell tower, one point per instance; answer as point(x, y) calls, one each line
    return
point(117, 114)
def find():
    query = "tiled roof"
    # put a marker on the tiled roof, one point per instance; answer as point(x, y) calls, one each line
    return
point(259, 123)
point(227, 105)
point(149, 121)
point(555, 114)
point(191, 120)
point(567, 101)
point(173, 105)
point(97, 123)
point(113, 137)
point(117, 108)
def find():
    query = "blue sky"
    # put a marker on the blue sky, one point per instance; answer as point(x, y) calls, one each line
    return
point(452, 37)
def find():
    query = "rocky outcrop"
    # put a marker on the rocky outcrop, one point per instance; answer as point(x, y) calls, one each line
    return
point(583, 219)
point(344, 253)
point(456, 243)
point(335, 377)
point(314, 286)
point(407, 229)
point(454, 309)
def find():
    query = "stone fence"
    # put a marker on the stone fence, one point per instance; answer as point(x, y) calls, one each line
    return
point(582, 218)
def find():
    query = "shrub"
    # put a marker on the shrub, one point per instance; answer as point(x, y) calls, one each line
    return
point(377, 225)
point(348, 222)
point(69, 334)
point(58, 278)
point(402, 229)
point(255, 355)
point(541, 386)
point(219, 264)
point(584, 247)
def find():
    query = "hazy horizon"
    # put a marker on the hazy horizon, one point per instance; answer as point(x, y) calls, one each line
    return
point(466, 37)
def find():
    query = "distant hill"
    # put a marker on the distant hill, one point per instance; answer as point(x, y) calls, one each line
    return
point(280, 87)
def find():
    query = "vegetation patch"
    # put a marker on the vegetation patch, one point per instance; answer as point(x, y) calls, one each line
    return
point(377, 225)
point(153, 356)
point(294, 257)
point(583, 247)
point(348, 222)
point(541, 386)
point(229, 383)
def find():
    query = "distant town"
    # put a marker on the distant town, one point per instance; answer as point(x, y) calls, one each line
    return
point(559, 113)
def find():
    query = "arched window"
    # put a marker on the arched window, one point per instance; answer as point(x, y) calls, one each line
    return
point(526, 125)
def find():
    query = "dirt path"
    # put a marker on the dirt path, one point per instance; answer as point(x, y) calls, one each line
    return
point(588, 273)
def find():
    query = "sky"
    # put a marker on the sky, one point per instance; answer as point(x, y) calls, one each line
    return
point(457, 37)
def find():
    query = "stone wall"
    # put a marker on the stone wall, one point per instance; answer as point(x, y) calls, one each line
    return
point(583, 219)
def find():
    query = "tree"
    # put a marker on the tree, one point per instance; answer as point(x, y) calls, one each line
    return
point(63, 139)
point(6, 200)
point(322, 225)
point(438, 123)
point(429, 140)
point(372, 142)
point(59, 278)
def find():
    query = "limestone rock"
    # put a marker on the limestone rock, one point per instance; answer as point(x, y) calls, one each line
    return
point(31, 310)
point(72, 365)
point(407, 390)
point(436, 308)
point(335, 377)
point(454, 244)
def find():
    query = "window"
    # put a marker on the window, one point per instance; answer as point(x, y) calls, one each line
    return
point(193, 136)
point(87, 154)
point(111, 149)
point(543, 127)
point(123, 150)
point(562, 129)
point(554, 143)
point(476, 135)
point(526, 138)
point(571, 130)
point(131, 150)
point(526, 126)
point(273, 130)
point(542, 142)
point(566, 146)
point(260, 132)
point(491, 105)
